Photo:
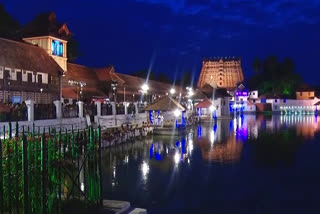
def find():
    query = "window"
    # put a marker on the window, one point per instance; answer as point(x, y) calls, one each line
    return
point(54, 80)
point(19, 76)
point(220, 83)
point(276, 100)
point(29, 77)
point(284, 100)
point(220, 78)
point(7, 74)
point(254, 93)
point(40, 78)
point(301, 93)
point(57, 48)
point(309, 93)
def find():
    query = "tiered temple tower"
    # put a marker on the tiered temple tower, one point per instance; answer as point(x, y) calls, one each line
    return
point(221, 73)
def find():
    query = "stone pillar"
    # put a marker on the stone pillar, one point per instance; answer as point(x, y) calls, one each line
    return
point(114, 110)
point(58, 105)
point(98, 104)
point(80, 106)
point(30, 106)
point(125, 108)
point(136, 107)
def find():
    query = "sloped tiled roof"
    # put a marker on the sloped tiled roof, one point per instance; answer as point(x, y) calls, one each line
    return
point(108, 74)
point(305, 88)
point(80, 71)
point(165, 103)
point(27, 57)
point(154, 86)
point(204, 104)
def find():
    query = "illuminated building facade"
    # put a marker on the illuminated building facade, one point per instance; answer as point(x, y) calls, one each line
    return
point(221, 73)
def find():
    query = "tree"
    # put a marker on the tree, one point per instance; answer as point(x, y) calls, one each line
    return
point(271, 67)
point(48, 24)
point(163, 77)
point(73, 51)
point(278, 78)
point(9, 26)
point(187, 79)
point(257, 64)
point(288, 66)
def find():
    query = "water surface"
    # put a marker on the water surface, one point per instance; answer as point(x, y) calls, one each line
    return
point(252, 164)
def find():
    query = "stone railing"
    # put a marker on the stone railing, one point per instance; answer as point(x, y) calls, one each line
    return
point(76, 114)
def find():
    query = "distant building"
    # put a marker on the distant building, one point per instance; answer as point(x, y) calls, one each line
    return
point(305, 95)
point(221, 73)
point(208, 96)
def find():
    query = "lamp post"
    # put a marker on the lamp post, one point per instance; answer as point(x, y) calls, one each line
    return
point(41, 90)
point(145, 89)
point(114, 86)
point(61, 75)
point(190, 94)
point(77, 84)
point(9, 83)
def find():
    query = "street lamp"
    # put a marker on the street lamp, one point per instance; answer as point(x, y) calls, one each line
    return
point(172, 91)
point(76, 84)
point(114, 86)
point(190, 91)
point(145, 88)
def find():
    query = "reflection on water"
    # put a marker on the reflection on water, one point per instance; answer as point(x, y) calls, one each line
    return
point(156, 172)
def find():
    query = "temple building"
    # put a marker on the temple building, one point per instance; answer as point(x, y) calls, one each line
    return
point(221, 73)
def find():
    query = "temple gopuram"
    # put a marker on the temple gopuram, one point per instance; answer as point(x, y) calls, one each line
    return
point(221, 73)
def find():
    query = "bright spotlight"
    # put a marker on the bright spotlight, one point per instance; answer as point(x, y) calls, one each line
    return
point(172, 91)
point(145, 87)
point(177, 112)
point(176, 158)
point(212, 108)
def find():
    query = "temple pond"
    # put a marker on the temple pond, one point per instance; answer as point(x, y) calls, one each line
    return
point(251, 164)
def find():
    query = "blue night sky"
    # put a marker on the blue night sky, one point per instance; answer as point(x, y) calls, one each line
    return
point(174, 35)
